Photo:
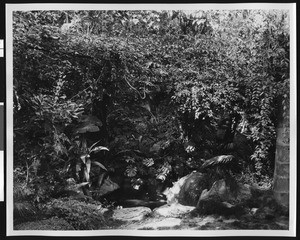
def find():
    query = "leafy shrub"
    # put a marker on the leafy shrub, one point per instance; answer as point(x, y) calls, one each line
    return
point(24, 208)
point(24, 211)
point(47, 224)
point(81, 215)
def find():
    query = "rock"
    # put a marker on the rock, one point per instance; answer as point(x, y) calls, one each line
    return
point(208, 219)
point(131, 214)
point(162, 224)
point(217, 191)
point(221, 199)
point(192, 188)
point(173, 192)
point(265, 213)
point(221, 191)
point(173, 210)
point(187, 189)
point(244, 192)
point(107, 186)
point(232, 220)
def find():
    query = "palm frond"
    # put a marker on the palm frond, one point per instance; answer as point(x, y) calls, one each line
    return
point(221, 160)
point(24, 209)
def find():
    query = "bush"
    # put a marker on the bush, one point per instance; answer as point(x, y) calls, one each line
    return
point(47, 224)
point(24, 208)
point(81, 215)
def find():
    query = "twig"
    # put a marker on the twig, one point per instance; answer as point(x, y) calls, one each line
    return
point(80, 92)
point(135, 89)
point(27, 174)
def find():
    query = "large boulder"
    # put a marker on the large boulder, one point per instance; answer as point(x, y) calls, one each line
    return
point(222, 191)
point(131, 214)
point(192, 188)
point(173, 210)
point(107, 186)
point(220, 197)
point(187, 189)
point(173, 192)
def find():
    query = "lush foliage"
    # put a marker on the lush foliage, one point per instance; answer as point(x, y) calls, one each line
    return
point(145, 94)
point(80, 215)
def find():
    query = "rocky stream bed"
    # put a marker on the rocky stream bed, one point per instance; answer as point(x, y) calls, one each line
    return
point(172, 217)
point(187, 207)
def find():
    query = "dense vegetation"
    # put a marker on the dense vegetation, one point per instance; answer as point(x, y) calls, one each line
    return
point(146, 96)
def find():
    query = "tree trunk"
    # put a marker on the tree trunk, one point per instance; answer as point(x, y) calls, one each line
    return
point(282, 161)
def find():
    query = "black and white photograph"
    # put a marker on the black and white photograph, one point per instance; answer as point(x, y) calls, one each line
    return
point(151, 119)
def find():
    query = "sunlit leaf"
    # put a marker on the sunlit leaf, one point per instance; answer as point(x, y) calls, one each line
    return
point(88, 165)
point(130, 160)
point(83, 157)
point(86, 175)
point(87, 128)
point(99, 148)
point(100, 165)
point(131, 171)
point(148, 162)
